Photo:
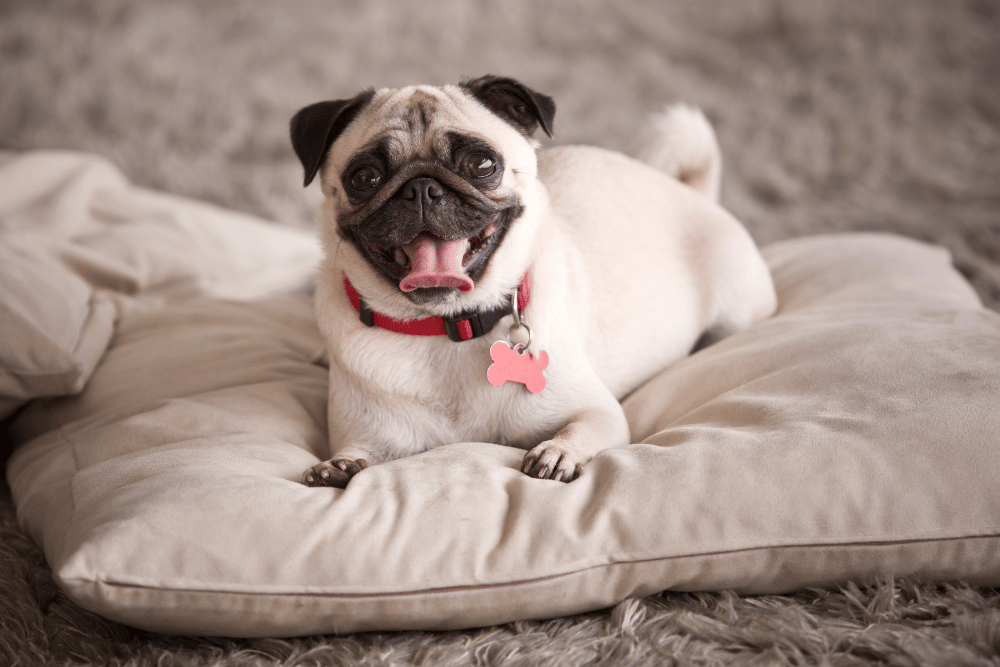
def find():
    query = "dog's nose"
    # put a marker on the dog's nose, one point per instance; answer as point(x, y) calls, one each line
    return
point(420, 192)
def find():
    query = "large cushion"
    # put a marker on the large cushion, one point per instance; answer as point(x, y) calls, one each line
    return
point(852, 435)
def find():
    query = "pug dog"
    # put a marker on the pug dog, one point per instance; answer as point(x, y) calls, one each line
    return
point(476, 288)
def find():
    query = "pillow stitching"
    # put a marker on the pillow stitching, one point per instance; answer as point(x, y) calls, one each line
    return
point(123, 582)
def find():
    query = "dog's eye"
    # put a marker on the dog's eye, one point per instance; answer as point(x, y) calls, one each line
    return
point(365, 179)
point(478, 165)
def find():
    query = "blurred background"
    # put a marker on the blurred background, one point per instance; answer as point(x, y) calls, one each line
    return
point(833, 115)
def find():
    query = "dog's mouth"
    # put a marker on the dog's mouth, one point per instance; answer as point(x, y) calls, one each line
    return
point(429, 262)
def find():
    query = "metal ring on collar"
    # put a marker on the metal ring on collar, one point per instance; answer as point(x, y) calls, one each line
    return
point(520, 325)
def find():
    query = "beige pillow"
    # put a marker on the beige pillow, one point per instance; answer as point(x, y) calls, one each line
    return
point(852, 435)
point(78, 242)
point(53, 327)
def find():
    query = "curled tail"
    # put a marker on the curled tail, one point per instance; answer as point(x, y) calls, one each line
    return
point(682, 143)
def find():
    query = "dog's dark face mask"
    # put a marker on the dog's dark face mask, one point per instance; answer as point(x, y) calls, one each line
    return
point(428, 225)
point(427, 218)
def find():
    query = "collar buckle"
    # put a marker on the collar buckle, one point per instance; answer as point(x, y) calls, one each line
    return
point(472, 324)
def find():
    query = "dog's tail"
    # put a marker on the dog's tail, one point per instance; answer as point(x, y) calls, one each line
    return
point(682, 143)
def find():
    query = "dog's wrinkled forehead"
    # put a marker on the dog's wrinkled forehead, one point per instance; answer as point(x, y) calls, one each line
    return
point(420, 122)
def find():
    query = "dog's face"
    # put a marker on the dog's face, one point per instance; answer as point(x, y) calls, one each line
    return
point(428, 187)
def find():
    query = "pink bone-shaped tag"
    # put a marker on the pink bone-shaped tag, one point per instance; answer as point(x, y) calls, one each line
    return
point(514, 365)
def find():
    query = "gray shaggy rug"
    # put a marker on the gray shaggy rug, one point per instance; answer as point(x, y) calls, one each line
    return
point(833, 115)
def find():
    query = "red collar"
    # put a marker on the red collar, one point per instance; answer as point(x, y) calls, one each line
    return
point(463, 326)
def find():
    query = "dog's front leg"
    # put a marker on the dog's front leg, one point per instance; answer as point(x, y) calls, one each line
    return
point(366, 428)
point(596, 427)
point(338, 471)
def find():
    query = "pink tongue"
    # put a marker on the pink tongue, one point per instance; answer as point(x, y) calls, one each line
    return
point(436, 263)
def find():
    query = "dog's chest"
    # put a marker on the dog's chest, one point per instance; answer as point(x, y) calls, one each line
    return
point(443, 388)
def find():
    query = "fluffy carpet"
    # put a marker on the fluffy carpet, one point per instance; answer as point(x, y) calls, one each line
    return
point(833, 115)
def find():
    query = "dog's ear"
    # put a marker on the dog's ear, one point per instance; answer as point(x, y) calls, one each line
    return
point(514, 102)
point(316, 127)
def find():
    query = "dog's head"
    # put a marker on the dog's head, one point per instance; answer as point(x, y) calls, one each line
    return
point(428, 187)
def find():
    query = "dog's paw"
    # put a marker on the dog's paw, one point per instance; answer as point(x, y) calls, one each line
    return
point(551, 460)
point(335, 472)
